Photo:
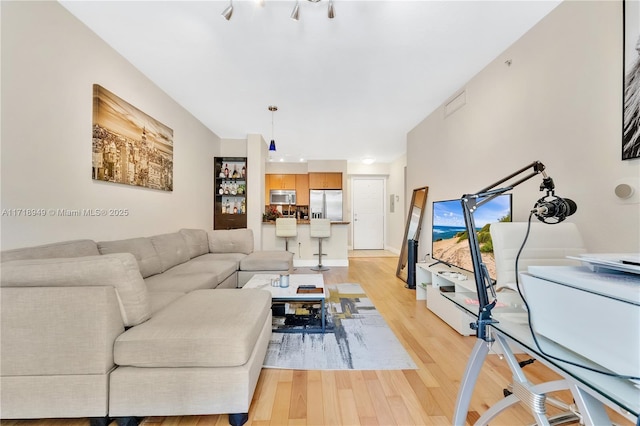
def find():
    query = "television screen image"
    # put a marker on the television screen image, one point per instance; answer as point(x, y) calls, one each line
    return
point(449, 239)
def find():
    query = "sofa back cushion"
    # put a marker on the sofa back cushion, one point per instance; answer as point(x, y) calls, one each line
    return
point(148, 260)
point(118, 270)
point(55, 331)
point(74, 248)
point(231, 241)
point(171, 248)
point(197, 241)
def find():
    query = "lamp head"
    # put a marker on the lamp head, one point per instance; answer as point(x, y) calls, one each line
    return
point(228, 12)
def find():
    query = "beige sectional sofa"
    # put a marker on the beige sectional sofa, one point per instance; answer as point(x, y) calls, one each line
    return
point(132, 328)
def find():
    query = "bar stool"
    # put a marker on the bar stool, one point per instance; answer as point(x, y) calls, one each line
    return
point(320, 229)
point(286, 227)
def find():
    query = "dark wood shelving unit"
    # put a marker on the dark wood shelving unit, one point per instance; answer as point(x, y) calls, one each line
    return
point(230, 193)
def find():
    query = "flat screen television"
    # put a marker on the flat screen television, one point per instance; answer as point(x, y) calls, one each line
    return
point(449, 240)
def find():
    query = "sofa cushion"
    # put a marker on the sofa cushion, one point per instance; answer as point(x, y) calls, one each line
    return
point(267, 260)
point(205, 264)
point(205, 328)
point(192, 276)
point(233, 257)
point(58, 330)
point(160, 299)
point(172, 249)
point(213, 257)
point(119, 270)
point(185, 284)
point(142, 248)
point(231, 241)
point(75, 248)
point(197, 241)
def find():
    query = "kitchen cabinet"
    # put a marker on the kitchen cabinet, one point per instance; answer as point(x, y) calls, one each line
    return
point(282, 181)
point(325, 180)
point(230, 193)
point(302, 190)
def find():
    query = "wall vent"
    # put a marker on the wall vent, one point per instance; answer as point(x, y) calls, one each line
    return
point(455, 103)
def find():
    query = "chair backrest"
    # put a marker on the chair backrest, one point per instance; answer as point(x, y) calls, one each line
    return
point(320, 228)
point(286, 227)
point(547, 245)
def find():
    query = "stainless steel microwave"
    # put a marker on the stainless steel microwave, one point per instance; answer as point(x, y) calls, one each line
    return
point(282, 196)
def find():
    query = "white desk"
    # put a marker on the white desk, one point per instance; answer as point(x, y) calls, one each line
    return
point(590, 390)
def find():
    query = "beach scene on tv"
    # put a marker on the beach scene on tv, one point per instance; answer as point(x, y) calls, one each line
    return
point(450, 240)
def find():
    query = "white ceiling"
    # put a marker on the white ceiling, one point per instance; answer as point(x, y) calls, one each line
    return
point(347, 88)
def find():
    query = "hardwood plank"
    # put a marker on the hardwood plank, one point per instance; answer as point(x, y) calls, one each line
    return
point(315, 399)
point(380, 402)
point(264, 396)
point(348, 409)
point(298, 402)
point(364, 404)
point(342, 379)
point(280, 412)
point(421, 391)
point(330, 407)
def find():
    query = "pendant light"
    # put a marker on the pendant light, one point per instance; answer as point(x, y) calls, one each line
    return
point(272, 145)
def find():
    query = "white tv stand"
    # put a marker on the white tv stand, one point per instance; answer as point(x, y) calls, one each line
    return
point(431, 280)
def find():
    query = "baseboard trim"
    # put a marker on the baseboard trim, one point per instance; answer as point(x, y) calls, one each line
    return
point(304, 263)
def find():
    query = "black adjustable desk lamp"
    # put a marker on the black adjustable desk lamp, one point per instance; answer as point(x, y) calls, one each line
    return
point(549, 209)
point(470, 202)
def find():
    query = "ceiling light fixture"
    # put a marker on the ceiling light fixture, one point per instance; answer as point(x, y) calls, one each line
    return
point(295, 14)
point(228, 11)
point(272, 145)
point(332, 12)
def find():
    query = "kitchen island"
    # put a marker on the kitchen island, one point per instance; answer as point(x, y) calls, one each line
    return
point(304, 248)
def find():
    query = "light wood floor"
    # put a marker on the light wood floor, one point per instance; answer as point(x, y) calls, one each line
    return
point(425, 396)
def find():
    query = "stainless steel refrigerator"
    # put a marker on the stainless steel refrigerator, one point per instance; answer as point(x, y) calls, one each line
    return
point(326, 204)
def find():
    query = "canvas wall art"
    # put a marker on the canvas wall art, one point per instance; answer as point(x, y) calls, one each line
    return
point(631, 86)
point(129, 147)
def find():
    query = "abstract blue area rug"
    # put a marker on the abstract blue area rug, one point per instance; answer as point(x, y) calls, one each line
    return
point(357, 338)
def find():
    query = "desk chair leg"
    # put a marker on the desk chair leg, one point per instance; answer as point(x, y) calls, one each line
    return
point(320, 266)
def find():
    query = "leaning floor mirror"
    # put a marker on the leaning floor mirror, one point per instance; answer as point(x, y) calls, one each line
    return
point(412, 228)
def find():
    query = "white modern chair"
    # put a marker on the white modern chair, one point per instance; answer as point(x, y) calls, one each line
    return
point(547, 245)
point(286, 227)
point(320, 229)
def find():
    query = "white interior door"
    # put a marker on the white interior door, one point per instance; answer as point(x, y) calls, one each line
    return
point(368, 214)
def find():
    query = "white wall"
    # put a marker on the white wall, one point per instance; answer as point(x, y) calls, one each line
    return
point(558, 102)
point(257, 156)
point(233, 147)
point(49, 63)
point(396, 220)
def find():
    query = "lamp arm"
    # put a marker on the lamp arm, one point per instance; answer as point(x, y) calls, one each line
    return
point(470, 202)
